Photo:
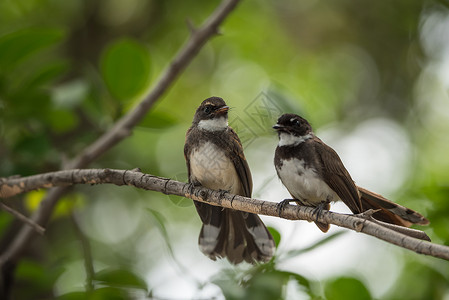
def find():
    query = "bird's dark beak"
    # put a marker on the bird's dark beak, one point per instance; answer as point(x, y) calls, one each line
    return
point(277, 127)
point(222, 109)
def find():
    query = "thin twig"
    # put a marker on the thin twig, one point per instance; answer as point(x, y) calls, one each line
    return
point(357, 223)
point(36, 227)
point(124, 126)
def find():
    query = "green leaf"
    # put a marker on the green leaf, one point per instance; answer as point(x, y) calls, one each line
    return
point(230, 289)
point(106, 293)
point(5, 221)
point(158, 120)
point(344, 288)
point(269, 286)
point(301, 280)
point(275, 234)
point(36, 146)
point(109, 293)
point(36, 276)
point(160, 221)
point(321, 242)
point(125, 66)
point(120, 278)
point(62, 120)
point(47, 73)
point(17, 46)
point(74, 296)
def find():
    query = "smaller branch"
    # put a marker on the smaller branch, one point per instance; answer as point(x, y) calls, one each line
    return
point(218, 198)
point(88, 261)
point(405, 230)
point(191, 26)
point(38, 228)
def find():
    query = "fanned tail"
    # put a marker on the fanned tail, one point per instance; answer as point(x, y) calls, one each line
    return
point(390, 212)
point(236, 235)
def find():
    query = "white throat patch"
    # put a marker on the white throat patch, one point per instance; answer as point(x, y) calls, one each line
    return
point(286, 139)
point(213, 124)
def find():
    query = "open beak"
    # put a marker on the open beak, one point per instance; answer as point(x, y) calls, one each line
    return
point(222, 109)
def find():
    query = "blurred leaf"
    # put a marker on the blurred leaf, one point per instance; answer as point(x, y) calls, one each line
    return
point(275, 234)
point(33, 146)
point(120, 278)
point(33, 199)
point(269, 285)
point(19, 45)
point(37, 276)
point(301, 280)
point(62, 120)
point(230, 289)
point(327, 239)
point(432, 283)
point(64, 206)
point(49, 72)
point(125, 66)
point(109, 293)
point(345, 288)
point(260, 282)
point(5, 220)
point(74, 296)
point(158, 120)
point(160, 221)
point(106, 293)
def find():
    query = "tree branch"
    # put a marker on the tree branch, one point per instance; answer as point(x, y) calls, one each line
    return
point(359, 223)
point(124, 126)
point(39, 229)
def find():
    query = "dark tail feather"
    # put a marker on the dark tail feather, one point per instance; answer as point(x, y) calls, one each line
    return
point(390, 212)
point(236, 235)
point(258, 240)
point(323, 226)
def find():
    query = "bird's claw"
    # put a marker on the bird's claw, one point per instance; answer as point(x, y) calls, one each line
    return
point(190, 188)
point(281, 205)
point(222, 193)
point(319, 209)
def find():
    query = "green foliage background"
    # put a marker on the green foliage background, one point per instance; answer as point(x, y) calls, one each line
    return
point(69, 69)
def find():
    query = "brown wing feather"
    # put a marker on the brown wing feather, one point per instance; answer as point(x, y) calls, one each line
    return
point(337, 177)
point(187, 153)
point(240, 163)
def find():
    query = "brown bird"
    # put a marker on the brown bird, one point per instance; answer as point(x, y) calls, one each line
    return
point(215, 160)
point(315, 176)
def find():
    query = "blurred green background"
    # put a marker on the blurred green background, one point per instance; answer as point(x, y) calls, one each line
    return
point(371, 76)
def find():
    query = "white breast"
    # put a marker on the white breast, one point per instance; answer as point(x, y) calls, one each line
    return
point(210, 166)
point(303, 183)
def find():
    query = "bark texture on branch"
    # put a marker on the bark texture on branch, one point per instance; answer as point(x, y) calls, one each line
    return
point(359, 223)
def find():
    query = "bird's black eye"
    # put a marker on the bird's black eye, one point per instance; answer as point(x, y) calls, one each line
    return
point(295, 122)
point(208, 109)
